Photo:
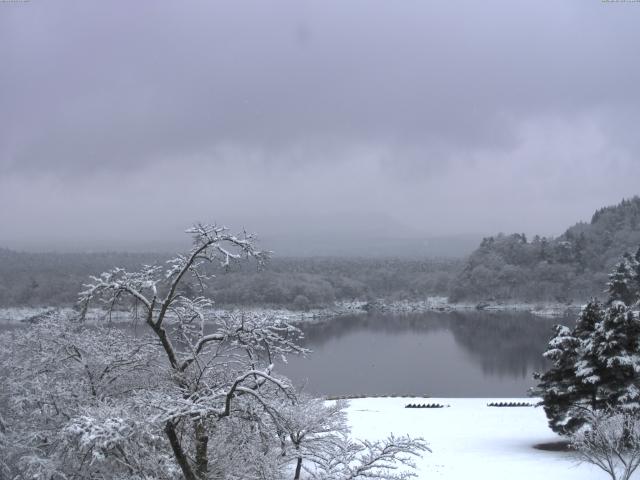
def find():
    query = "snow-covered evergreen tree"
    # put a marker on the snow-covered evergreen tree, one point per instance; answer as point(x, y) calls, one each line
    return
point(617, 344)
point(588, 369)
point(557, 386)
point(635, 267)
point(596, 365)
point(623, 281)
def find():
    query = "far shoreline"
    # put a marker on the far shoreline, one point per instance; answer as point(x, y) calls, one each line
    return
point(16, 315)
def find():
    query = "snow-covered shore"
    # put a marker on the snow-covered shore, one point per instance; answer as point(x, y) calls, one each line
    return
point(429, 304)
point(471, 441)
point(32, 314)
point(442, 304)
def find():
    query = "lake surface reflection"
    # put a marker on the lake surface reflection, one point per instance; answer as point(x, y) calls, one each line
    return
point(472, 354)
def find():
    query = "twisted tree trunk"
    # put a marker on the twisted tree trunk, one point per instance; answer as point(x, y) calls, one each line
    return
point(202, 455)
point(178, 452)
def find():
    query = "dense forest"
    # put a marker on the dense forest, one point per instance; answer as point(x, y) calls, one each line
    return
point(571, 267)
point(51, 279)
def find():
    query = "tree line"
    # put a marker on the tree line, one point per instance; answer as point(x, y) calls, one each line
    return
point(53, 279)
point(571, 267)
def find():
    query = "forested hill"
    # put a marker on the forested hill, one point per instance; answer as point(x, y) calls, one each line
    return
point(573, 266)
point(54, 279)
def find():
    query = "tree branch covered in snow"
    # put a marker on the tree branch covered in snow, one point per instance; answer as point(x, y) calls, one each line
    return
point(389, 459)
point(193, 396)
point(610, 441)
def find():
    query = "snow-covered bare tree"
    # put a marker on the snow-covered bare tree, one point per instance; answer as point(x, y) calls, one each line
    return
point(307, 425)
point(315, 436)
point(611, 441)
point(69, 403)
point(5, 469)
point(347, 459)
point(189, 394)
point(212, 362)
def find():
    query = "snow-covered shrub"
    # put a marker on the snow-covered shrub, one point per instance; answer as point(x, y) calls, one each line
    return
point(611, 441)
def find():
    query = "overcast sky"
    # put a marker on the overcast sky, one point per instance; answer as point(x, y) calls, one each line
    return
point(122, 122)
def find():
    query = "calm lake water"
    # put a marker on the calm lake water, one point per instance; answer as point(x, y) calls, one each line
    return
point(471, 354)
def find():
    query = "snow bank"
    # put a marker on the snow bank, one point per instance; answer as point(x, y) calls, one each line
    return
point(471, 441)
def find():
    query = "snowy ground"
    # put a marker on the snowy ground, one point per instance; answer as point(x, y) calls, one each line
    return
point(471, 441)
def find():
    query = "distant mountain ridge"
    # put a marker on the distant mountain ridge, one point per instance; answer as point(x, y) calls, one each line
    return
point(571, 267)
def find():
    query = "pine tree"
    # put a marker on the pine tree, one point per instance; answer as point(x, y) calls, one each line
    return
point(571, 385)
point(580, 248)
point(557, 386)
point(622, 282)
point(590, 370)
point(596, 365)
point(635, 268)
point(617, 342)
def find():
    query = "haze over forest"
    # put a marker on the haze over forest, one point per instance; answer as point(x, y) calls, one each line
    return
point(327, 127)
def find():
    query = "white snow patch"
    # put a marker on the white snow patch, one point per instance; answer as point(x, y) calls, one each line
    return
point(471, 441)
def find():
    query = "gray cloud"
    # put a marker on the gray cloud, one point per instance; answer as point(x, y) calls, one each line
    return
point(129, 119)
